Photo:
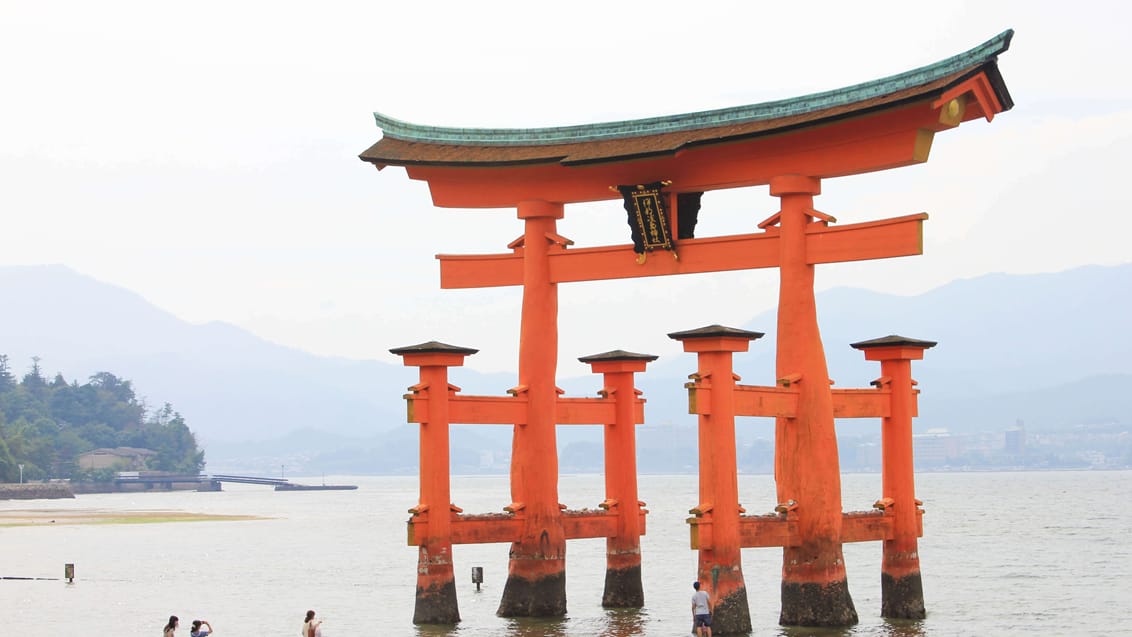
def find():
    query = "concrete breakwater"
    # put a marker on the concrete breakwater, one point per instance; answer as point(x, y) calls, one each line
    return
point(36, 491)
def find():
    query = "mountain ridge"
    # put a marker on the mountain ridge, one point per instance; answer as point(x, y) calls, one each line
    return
point(1010, 347)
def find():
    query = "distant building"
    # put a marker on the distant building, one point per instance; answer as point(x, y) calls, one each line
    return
point(119, 458)
point(868, 456)
point(1014, 443)
point(487, 460)
point(936, 448)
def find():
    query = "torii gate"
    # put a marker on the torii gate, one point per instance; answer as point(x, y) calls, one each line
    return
point(791, 145)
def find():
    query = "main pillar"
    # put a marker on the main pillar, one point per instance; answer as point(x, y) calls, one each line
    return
point(536, 573)
point(436, 583)
point(902, 591)
point(720, 566)
point(815, 591)
point(622, 551)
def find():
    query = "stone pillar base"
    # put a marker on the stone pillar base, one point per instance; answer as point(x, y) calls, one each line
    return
point(436, 604)
point(902, 598)
point(623, 588)
point(732, 615)
point(542, 597)
point(817, 605)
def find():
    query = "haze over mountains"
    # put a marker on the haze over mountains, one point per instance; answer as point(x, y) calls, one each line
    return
point(1049, 349)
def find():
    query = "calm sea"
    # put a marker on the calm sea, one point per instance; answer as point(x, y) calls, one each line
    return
point(1042, 553)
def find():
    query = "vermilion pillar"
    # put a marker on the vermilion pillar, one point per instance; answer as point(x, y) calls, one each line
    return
point(536, 573)
point(814, 587)
point(902, 592)
point(623, 551)
point(720, 567)
point(436, 584)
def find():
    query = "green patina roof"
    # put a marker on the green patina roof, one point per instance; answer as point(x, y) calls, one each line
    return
point(982, 54)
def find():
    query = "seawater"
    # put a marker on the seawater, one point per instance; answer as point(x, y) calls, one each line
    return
point(1026, 553)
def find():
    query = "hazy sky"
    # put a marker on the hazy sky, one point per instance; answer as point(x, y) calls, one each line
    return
point(205, 154)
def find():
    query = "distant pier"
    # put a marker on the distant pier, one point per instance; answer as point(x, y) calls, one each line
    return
point(282, 484)
point(136, 481)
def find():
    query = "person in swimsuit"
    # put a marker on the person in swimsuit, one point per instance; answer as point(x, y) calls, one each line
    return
point(311, 627)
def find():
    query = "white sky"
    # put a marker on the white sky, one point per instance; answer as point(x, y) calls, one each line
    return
point(204, 154)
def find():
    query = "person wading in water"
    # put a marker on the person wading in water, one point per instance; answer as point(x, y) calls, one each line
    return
point(701, 611)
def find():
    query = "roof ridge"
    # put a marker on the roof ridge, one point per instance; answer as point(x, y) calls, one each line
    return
point(977, 56)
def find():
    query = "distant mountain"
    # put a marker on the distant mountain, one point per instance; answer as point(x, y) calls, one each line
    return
point(229, 384)
point(1049, 349)
point(998, 333)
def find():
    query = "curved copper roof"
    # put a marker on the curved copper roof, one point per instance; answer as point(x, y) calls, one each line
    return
point(406, 144)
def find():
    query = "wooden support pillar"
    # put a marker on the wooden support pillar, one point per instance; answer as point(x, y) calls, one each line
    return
point(436, 582)
point(720, 566)
point(536, 573)
point(902, 591)
point(814, 587)
point(623, 587)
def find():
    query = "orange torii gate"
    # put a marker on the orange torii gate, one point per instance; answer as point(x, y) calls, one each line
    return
point(792, 145)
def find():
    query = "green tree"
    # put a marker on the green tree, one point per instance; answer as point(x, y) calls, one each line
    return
point(30, 446)
point(114, 402)
point(7, 380)
point(9, 467)
point(45, 426)
point(166, 433)
point(34, 380)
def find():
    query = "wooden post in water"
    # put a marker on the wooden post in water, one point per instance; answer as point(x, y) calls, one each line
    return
point(436, 579)
point(814, 587)
point(902, 591)
point(536, 572)
point(715, 527)
point(623, 550)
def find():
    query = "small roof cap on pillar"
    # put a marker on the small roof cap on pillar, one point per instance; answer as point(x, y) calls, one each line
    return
point(715, 331)
point(617, 355)
point(892, 340)
point(433, 347)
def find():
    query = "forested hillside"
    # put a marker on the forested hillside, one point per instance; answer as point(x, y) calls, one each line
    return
point(45, 425)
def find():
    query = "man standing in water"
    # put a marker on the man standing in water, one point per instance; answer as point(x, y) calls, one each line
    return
point(701, 611)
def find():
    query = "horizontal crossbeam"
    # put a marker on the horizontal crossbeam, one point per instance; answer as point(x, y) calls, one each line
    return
point(862, 403)
point(756, 531)
point(782, 402)
point(492, 528)
point(512, 410)
point(896, 237)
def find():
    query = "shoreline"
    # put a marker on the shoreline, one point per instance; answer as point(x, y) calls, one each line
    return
point(36, 491)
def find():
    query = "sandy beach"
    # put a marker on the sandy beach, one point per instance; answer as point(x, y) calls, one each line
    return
point(35, 517)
